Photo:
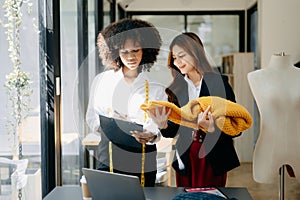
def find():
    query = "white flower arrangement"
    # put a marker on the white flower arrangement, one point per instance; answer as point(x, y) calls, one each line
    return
point(19, 92)
point(17, 82)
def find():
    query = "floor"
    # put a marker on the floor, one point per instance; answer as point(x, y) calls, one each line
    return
point(242, 177)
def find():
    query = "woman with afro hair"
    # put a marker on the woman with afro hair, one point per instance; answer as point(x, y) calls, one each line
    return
point(128, 49)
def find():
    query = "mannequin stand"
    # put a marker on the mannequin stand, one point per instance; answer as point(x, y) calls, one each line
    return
point(281, 189)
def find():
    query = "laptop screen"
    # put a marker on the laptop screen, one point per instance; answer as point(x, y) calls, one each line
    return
point(111, 186)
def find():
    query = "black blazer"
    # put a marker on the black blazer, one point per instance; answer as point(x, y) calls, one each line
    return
point(221, 152)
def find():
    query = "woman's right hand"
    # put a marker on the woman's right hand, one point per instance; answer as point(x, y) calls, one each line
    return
point(160, 116)
point(144, 136)
point(206, 120)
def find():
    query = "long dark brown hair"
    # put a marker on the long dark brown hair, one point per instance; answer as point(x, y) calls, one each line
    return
point(193, 45)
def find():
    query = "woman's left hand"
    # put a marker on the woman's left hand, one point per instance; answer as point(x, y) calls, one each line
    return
point(143, 137)
point(160, 116)
point(206, 121)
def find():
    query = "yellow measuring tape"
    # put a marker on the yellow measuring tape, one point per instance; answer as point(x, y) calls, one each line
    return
point(144, 145)
point(111, 168)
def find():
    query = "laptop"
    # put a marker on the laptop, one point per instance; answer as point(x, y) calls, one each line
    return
point(111, 186)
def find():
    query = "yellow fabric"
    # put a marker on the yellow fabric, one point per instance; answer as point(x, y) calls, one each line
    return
point(232, 118)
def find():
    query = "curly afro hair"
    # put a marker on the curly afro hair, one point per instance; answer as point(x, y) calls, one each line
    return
point(113, 37)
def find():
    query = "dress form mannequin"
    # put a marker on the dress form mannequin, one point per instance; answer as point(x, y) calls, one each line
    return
point(275, 89)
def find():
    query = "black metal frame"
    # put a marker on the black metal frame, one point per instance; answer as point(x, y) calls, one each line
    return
point(83, 51)
point(99, 23)
point(250, 11)
point(121, 12)
point(256, 122)
point(49, 60)
point(240, 13)
point(112, 10)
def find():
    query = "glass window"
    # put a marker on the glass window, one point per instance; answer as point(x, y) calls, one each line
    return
point(69, 69)
point(219, 33)
point(73, 104)
point(29, 128)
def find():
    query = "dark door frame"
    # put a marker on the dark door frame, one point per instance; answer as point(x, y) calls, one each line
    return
point(49, 61)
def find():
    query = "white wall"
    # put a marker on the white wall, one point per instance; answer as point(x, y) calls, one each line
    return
point(279, 29)
point(250, 3)
point(183, 5)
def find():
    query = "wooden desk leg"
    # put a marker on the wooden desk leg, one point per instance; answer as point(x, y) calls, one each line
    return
point(169, 167)
point(92, 154)
point(93, 158)
point(169, 176)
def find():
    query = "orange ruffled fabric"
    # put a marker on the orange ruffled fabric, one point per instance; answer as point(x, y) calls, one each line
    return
point(232, 118)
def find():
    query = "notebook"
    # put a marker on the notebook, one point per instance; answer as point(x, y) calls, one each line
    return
point(111, 186)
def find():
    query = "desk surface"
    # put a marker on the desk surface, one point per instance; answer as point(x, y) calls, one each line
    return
point(153, 193)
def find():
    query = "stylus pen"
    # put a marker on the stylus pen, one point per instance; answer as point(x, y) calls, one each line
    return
point(120, 115)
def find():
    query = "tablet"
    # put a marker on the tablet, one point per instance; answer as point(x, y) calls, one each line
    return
point(118, 132)
point(125, 126)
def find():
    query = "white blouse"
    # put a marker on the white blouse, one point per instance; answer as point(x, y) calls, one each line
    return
point(194, 91)
point(111, 93)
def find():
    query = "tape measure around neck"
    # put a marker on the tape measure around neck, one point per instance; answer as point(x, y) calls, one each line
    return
point(111, 168)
